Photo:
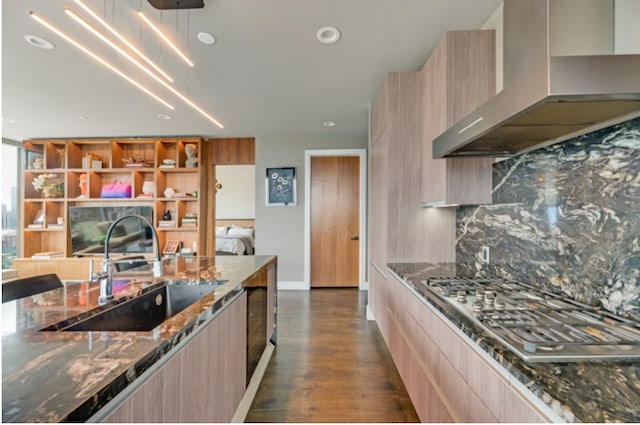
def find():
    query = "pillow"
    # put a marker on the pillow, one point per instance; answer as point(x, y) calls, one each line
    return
point(244, 231)
point(221, 230)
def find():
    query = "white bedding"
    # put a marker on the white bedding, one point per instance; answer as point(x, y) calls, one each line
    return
point(235, 240)
point(231, 245)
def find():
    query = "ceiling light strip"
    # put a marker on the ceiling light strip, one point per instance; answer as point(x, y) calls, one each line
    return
point(123, 39)
point(111, 44)
point(97, 58)
point(164, 38)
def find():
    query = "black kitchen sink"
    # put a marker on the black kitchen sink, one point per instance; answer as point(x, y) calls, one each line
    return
point(142, 313)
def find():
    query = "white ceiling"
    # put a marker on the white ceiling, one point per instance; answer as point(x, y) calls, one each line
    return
point(267, 74)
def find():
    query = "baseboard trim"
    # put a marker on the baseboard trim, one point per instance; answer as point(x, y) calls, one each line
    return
point(245, 404)
point(293, 286)
point(370, 315)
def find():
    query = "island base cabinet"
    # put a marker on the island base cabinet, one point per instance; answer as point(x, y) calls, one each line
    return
point(204, 382)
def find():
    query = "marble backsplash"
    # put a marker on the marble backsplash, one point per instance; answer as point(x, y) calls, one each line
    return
point(566, 216)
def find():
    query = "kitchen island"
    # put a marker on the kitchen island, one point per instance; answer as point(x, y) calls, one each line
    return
point(580, 391)
point(53, 376)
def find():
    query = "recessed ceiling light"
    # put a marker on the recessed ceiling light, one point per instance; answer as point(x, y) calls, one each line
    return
point(328, 35)
point(9, 120)
point(206, 38)
point(84, 117)
point(40, 42)
point(164, 116)
point(329, 124)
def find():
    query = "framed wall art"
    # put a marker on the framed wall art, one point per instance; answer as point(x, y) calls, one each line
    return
point(280, 187)
point(171, 247)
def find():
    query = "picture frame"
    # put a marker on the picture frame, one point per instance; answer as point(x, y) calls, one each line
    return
point(280, 187)
point(171, 247)
point(39, 217)
point(34, 160)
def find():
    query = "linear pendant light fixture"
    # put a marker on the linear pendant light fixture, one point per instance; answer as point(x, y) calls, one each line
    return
point(97, 58)
point(164, 38)
point(123, 39)
point(166, 85)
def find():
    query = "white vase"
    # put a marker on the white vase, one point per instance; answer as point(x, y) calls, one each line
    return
point(148, 188)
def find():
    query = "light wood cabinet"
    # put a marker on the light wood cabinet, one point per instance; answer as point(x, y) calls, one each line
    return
point(81, 167)
point(458, 77)
point(378, 201)
point(379, 112)
point(272, 301)
point(233, 151)
point(203, 383)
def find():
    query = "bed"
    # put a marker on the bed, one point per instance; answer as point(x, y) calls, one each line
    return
point(235, 237)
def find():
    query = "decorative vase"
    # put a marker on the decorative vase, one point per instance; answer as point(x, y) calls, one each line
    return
point(148, 188)
point(51, 193)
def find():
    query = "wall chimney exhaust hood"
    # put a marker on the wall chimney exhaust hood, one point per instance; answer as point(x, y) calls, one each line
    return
point(548, 97)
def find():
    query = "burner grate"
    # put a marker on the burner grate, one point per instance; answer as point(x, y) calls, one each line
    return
point(536, 324)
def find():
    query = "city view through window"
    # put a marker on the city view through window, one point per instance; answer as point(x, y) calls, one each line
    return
point(9, 203)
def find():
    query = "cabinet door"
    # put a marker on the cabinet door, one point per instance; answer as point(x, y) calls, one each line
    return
point(144, 405)
point(203, 383)
point(214, 368)
point(378, 201)
point(458, 77)
point(272, 300)
point(379, 113)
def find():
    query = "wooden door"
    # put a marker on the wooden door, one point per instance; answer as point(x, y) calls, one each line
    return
point(335, 221)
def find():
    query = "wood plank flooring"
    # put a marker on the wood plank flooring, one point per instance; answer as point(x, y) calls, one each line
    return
point(330, 364)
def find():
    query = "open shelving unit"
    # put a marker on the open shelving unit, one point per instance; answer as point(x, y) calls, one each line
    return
point(84, 166)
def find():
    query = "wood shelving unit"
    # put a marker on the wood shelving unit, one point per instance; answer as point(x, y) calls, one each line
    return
point(95, 162)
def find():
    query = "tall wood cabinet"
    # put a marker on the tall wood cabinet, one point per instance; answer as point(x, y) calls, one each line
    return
point(80, 167)
point(458, 77)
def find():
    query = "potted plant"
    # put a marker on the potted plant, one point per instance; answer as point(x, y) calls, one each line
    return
point(49, 185)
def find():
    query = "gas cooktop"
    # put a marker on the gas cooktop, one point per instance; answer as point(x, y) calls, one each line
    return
point(538, 325)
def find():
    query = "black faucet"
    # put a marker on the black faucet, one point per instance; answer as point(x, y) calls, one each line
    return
point(106, 275)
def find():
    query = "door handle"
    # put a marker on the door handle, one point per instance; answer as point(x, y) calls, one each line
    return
point(355, 238)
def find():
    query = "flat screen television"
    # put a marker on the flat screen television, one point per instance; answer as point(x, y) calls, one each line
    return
point(89, 224)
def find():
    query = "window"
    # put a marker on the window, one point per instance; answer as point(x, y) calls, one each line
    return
point(11, 155)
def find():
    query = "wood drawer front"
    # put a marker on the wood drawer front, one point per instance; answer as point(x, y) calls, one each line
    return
point(445, 372)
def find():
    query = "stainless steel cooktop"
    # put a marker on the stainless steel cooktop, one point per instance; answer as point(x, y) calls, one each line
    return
point(538, 325)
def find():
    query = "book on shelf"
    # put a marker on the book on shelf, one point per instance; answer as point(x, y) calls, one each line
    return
point(137, 165)
point(167, 223)
point(55, 225)
point(35, 226)
point(167, 166)
point(47, 254)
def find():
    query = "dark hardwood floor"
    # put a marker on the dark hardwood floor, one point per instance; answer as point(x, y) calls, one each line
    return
point(330, 364)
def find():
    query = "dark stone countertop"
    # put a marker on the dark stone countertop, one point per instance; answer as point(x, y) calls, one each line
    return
point(69, 376)
point(584, 391)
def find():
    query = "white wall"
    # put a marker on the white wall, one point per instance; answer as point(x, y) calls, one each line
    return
point(627, 30)
point(236, 199)
point(280, 230)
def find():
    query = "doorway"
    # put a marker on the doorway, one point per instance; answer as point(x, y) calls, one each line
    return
point(335, 219)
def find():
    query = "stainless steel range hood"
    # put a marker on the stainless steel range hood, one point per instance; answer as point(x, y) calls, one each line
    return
point(546, 98)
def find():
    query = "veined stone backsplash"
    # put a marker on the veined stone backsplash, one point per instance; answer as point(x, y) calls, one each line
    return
point(567, 217)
